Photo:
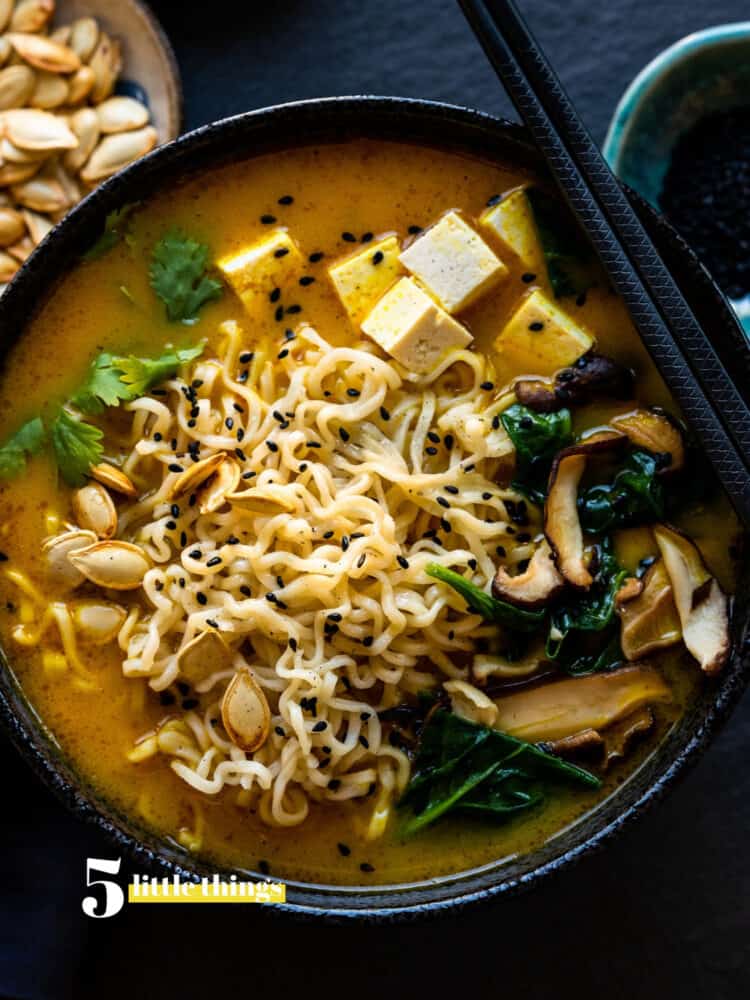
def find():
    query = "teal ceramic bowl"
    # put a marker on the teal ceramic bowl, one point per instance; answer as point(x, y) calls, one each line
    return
point(702, 73)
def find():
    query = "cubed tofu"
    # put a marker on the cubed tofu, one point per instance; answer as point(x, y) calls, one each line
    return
point(255, 271)
point(412, 328)
point(540, 338)
point(361, 279)
point(512, 222)
point(453, 263)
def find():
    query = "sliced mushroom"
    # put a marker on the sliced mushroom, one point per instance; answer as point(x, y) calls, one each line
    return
point(213, 494)
point(561, 708)
point(701, 603)
point(117, 565)
point(191, 478)
point(94, 510)
point(562, 526)
point(630, 588)
point(471, 703)
point(571, 746)
point(113, 478)
point(533, 588)
point(619, 737)
point(650, 620)
point(60, 569)
point(204, 655)
point(245, 712)
point(591, 377)
point(656, 432)
point(97, 621)
point(486, 665)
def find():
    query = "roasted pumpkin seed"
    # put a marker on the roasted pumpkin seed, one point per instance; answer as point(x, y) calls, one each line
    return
point(8, 266)
point(116, 565)
point(245, 712)
point(94, 510)
point(80, 84)
point(115, 152)
point(42, 53)
point(113, 478)
point(60, 569)
point(16, 86)
point(121, 114)
point(225, 480)
point(84, 36)
point(29, 128)
point(190, 479)
point(106, 62)
point(50, 91)
point(32, 15)
point(12, 226)
point(85, 125)
point(97, 621)
point(204, 655)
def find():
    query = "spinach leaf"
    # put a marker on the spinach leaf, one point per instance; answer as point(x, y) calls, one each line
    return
point(461, 765)
point(27, 440)
point(635, 495)
point(492, 610)
point(572, 266)
point(590, 612)
point(537, 438)
point(178, 277)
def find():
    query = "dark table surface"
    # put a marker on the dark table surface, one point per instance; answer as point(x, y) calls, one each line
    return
point(663, 912)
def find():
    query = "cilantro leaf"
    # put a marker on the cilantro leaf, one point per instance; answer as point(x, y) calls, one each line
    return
point(116, 227)
point(77, 447)
point(27, 440)
point(178, 277)
point(140, 374)
point(103, 386)
point(112, 380)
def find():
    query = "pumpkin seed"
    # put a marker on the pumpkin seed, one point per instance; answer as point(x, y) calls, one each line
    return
point(61, 34)
point(8, 266)
point(225, 480)
point(5, 50)
point(84, 35)
point(81, 83)
point(42, 53)
point(12, 154)
point(115, 152)
point(6, 9)
point(32, 15)
point(245, 712)
point(263, 500)
point(106, 62)
point(50, 91)
point(85, 125)
point(29, 128)
point(94, 510)
point(98, 621)
point(117, 565)
point(190, 479)
point(16, 86)
point(121, 114)
point(57, 550)
point(41, 193)
point(21, 250)
point(12, 226)
point(113, 478)
point(204, 655)
point(15, 173)
point(37, 225)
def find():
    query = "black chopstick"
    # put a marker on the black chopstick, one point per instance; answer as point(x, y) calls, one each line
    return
point(685, 357)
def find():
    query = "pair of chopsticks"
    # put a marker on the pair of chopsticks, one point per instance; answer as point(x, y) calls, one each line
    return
point(683, 353)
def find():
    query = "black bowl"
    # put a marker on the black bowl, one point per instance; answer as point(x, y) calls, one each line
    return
point(462, 131)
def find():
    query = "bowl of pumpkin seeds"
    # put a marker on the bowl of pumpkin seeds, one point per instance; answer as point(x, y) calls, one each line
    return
point(86, 88)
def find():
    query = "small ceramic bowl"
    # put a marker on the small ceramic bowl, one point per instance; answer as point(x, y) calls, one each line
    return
point(705, 72)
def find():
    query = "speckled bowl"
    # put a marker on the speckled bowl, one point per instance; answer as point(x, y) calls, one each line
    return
point(473, 134)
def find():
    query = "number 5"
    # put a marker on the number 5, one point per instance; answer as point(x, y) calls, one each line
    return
point(113, 894)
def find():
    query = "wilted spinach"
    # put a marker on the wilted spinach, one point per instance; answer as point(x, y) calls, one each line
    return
point(537, 438)
point(492, 610)
point(593, 614)
point(572, 266)
point(635, 495)
point(461, 765)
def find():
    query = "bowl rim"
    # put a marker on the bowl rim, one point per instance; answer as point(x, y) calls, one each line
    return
point(638, 91)
point(459, 129)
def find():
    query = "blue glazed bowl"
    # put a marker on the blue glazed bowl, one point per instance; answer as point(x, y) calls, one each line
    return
point(702, 73)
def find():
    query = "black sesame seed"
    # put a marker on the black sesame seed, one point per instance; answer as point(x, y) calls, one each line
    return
point(487, 386)
point(384, 414)
point(303, 467)
point(157, 436)
point(486, 496)
point(361, 561)
point(233, 540)
point(334, 784)
point(368, 641)
point(272, 446)
point(170, 525)
point(293, 644)
point(328, 534)
point(283, 353)
point(528, 278)
point(249, 475)
point(292, 310)
point(344, 543)
point(279, 314)
point(174, 510)
point(446, 526)
point(432, 436)
point(354, 393)
point(245, 591)
point(174, 467)
point(343, 434)
point(306, 279)
point(344, 849)
point(268, 220)
point(377, 257)
point(443, 502)
point(183, 539)
point(275, 295)
point(431, 450)
point(214, 561)
point(281, 252)
point(166, 698)
point(536, 326)
point(472, 564)
point(245, 359)
point(496, 423)
point(315, 257)
point(448, 441)
point(189, 703)
point(364, 741)
point(242, 377)
point(286, 199)
point(403, 563)
point(366, 867)
point(201, 598)
point(413, 230)
point(452, 489)
point(367, 237)
point(494, 200)
point(348, 237)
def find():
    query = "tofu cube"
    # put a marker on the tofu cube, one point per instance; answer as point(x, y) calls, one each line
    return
point(512, 222)
point(454, 263)
point(255, 271)
point(540, 338)
point(361, 279)
point(413, 329)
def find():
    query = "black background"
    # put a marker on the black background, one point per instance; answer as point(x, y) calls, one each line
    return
point(664, 911)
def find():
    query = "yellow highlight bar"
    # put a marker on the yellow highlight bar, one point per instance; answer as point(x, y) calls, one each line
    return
point(215, 890)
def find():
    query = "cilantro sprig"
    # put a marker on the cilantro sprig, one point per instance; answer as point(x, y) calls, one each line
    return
point(27, 440)
point(178, 276)
point(77, 446)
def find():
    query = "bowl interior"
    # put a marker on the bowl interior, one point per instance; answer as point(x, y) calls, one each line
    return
point(448, 128)
point(705, 72)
